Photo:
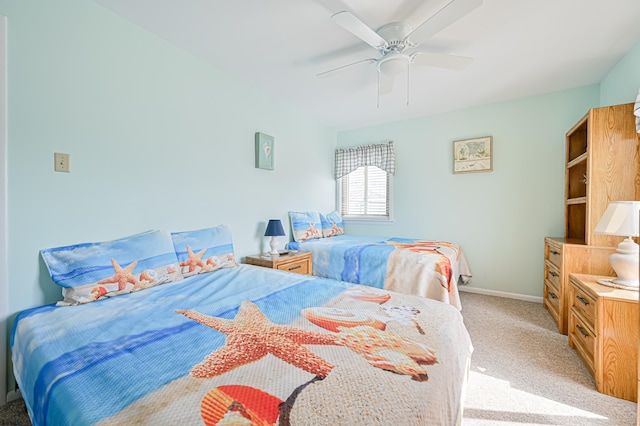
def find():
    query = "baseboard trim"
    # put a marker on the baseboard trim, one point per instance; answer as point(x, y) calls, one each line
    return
point(13, 395)
point(508, 295)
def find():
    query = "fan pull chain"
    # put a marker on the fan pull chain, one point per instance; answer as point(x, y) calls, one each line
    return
point(408, 72)
point(378, 100)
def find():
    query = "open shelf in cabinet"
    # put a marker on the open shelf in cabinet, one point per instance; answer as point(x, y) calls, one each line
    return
point(576, 220)
point(577, 140)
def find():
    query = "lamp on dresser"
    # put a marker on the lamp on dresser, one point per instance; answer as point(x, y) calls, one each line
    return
point(621, 218)
point(274, 230)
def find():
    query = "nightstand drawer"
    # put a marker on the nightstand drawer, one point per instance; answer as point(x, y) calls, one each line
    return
point(299, 262)
point(584, 304)
point(299, 266)
point(583, 339)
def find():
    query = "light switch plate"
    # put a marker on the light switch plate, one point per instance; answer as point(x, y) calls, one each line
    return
point(61, 162)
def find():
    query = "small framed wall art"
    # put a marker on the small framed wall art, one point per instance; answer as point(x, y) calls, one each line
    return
point(265, 146)
point(473, 155)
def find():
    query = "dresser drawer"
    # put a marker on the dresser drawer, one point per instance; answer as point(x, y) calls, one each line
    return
point(299, 266)
point(552, 274)
point(553, 253)
point(583, 339)
point(552, 300)
point(584, 304)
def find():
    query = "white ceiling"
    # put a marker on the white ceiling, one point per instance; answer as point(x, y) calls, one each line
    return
point(520, 48)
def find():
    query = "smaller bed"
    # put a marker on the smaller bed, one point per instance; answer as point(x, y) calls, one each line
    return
point(430, 269)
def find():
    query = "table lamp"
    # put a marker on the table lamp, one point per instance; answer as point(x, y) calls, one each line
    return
point(621, 218)
point(275, 230)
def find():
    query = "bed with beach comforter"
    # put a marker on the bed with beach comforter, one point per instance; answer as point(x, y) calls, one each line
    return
point(232, 344)
point(425, 268)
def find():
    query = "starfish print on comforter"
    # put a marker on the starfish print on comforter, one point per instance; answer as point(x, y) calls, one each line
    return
point(122, 275)
point(194, 260)
point(251, 336)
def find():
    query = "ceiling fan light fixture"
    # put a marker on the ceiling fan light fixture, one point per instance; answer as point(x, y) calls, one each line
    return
point(394, 65)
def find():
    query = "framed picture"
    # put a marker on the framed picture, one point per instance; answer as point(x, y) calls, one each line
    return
point(265, 145)
point(473, 155)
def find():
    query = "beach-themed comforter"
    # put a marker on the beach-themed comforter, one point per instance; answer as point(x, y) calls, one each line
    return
point(244, 345)
point(429, 269)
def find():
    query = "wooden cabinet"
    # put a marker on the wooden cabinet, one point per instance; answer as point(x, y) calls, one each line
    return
point(603, 329)
point(562, 256)
point(298, 262)
point(602, 165)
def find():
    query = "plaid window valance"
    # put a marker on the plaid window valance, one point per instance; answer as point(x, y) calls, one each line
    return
point(381, 155)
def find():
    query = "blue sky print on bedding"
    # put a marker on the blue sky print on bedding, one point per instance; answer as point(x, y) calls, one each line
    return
point(91, 349)
point(204, 250)
point(91, 271)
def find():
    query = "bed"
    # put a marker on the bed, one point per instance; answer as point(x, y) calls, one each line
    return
point(235, 344)
point(425, 268)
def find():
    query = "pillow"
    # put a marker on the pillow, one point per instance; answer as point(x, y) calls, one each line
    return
point(324, 223)
point(333, 225)
point(305, 225)
point(91, 271)
point(204, 250)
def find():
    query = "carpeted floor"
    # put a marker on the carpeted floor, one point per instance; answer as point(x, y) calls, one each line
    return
point(522, 372)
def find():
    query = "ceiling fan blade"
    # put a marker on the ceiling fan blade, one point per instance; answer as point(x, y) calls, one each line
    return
point(386, 83)
point(439, 60)
point(325, 73)
point(349, 22)
point(445, 16)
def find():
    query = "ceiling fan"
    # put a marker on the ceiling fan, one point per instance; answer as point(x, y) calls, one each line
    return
point(396, 51)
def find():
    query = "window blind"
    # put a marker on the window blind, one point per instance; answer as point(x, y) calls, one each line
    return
point(365, 191)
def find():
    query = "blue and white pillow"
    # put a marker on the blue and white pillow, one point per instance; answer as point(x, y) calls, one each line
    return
point(204, 250)
point(305, 225)
point(91, 271)
point(332, 225)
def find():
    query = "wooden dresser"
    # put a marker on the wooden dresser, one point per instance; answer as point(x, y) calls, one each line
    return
point(562, 256)
point(603, 329)
point(602, 164)
point(299, 262)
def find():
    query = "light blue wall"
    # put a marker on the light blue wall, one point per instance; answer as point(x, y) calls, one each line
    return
point(158, 139)
point(499, 218)
point(622, 84)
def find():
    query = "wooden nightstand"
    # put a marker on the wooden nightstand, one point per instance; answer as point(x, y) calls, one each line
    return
point(298, 262)
point(603, 329)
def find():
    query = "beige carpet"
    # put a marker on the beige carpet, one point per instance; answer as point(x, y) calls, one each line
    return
point(522, 372)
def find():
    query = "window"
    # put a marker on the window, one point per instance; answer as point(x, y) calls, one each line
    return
point(365, 193)
point(364, 176)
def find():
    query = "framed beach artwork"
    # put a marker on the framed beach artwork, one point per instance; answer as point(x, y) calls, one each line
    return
point(473, 155)
point(265, 145)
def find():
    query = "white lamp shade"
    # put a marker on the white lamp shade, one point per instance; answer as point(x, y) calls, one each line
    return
point(620, 218)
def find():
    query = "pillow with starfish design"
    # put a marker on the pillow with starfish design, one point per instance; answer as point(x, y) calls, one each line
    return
point(204, 250)
point(305, 225)
point(332, 224)
point(91, 271)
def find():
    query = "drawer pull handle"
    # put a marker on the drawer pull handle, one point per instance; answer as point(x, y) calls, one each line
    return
point(295, 267)
point(554, 252)
point(552, 295)
point(553, 274)
point(582, 331)
point(582, 300)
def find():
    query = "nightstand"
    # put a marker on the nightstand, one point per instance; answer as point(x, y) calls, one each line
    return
point(298, 262)
point(603, 329)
